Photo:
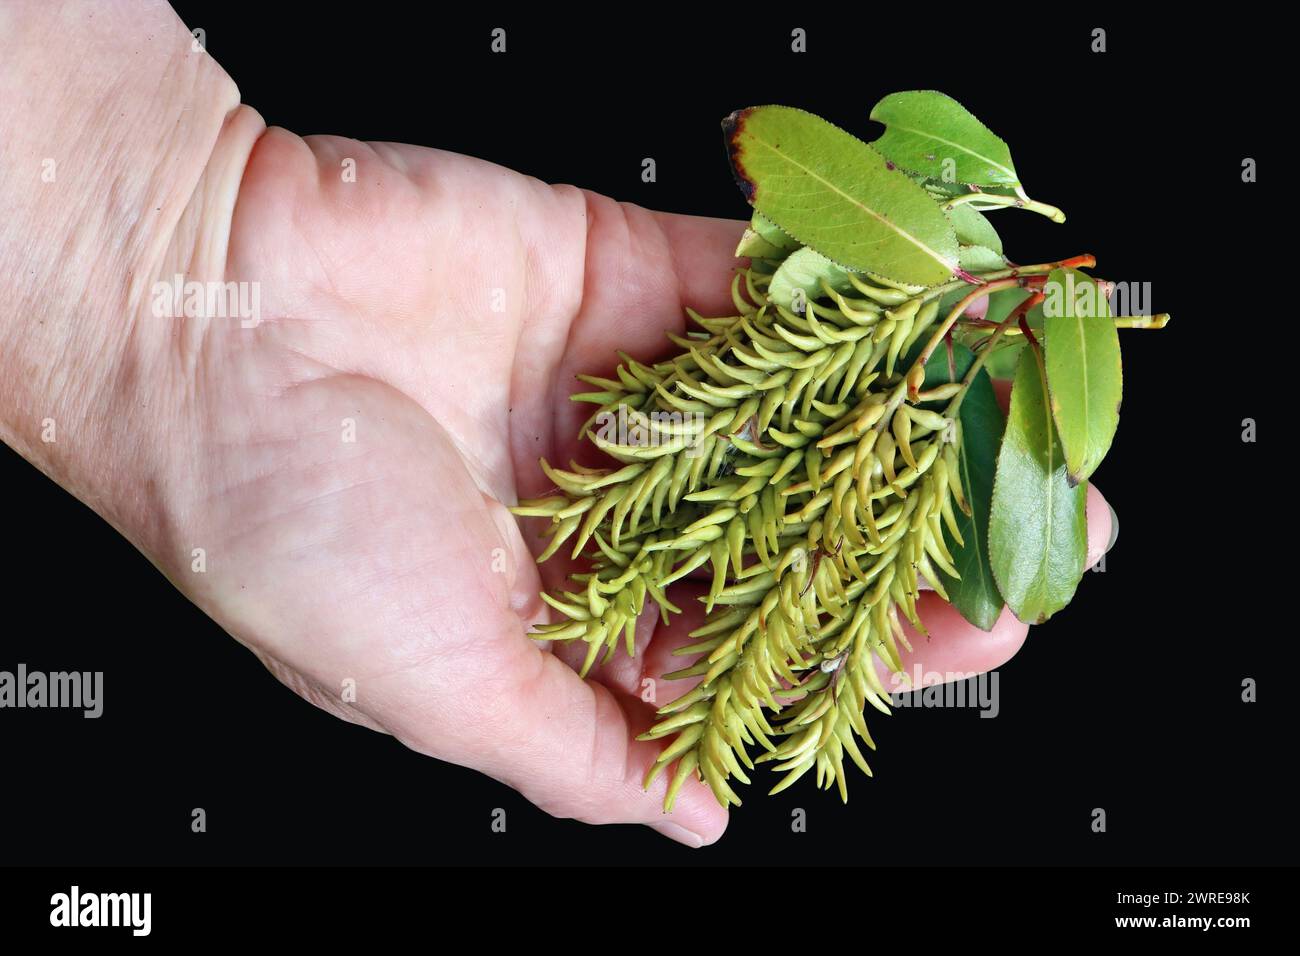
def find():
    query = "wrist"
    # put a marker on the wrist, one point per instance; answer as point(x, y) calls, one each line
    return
point(119, 162)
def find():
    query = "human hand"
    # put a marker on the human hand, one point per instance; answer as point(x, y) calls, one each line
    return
point(345, 463)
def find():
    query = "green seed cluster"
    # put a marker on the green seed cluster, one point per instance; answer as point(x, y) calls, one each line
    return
point(780, 452)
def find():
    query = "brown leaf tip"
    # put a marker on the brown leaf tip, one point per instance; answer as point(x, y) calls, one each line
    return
point(732, 127)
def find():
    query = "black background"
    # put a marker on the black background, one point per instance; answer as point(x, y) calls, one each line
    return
point(1130, 700)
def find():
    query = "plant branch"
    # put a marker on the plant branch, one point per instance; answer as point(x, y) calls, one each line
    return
point(1017, 317)
point(997, 201)
point(1085, 261)
point(913, 384)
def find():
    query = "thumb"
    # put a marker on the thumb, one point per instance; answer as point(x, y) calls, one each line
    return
point(570, 747)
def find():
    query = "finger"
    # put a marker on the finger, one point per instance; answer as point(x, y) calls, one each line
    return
point(619, 670)
point(1103, 525)
point(661, 657)
point(703, 256)
point(642, 269)
point(641, 675)
point(956, 648)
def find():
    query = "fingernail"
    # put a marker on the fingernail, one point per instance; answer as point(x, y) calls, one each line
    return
point(1114, 528)
point(679, 833)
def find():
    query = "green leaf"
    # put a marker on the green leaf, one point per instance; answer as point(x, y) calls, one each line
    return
point(973, 228)
point(773, 235)
point(1006, 355)
point(804, 270)
point(1038, 533)
point(933, 135)
point(975, 594)
point(1084, 375)
point(980, 259)
point(833, 192)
